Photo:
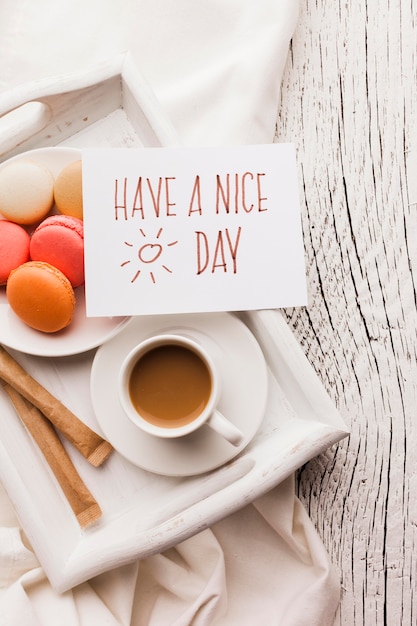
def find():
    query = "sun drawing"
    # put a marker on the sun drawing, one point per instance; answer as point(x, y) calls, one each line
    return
point(147, 255)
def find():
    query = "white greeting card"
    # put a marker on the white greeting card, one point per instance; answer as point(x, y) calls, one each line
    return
point(180, 230)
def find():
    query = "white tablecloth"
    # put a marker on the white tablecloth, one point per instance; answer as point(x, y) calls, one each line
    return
point(216, 68)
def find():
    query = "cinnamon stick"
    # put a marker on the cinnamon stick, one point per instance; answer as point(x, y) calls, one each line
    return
point(83, 504)
point(93, 447)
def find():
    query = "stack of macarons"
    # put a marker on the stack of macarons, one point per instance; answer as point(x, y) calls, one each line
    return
point(41, 242)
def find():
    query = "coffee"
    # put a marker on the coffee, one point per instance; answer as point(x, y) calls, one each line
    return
point(170, 385)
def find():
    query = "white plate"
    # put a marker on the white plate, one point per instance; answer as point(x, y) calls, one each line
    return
point(243, 373)
point(83, 333)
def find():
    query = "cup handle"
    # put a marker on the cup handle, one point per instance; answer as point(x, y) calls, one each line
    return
point(226, 429)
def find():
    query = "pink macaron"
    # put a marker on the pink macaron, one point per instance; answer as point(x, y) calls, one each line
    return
point(59, 241)
point(14, 248)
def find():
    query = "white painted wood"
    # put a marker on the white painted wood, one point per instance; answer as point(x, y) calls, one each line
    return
point(144, 513)
point(349, 103)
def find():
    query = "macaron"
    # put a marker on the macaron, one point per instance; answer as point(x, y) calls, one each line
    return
point(68, 192)
point(59, 240)
point(41, 296)
point(26, 191)
point(14, 248)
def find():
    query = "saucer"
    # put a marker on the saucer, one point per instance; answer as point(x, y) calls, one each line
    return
point(242, 370)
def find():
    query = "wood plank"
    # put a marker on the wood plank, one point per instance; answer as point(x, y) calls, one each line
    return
point(348, 102)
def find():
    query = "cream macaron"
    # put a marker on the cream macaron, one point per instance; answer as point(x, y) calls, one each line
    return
point(68, 191)
point(26, 191)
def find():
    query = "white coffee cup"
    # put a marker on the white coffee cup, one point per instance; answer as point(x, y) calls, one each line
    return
point(169, 387)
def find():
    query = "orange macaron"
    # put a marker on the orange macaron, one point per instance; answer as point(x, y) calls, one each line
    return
point(41, 296)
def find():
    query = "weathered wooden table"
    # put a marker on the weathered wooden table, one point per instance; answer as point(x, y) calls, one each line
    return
point(349, 101)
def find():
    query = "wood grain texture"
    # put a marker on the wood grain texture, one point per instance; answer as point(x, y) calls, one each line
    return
point(349, 102)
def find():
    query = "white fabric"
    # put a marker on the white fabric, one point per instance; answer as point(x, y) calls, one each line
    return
point(216, 67)
point(263, 565)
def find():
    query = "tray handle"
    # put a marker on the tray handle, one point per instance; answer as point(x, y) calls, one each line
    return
point(22, 123)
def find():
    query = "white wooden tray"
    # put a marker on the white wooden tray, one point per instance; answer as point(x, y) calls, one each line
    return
point(143, 513)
